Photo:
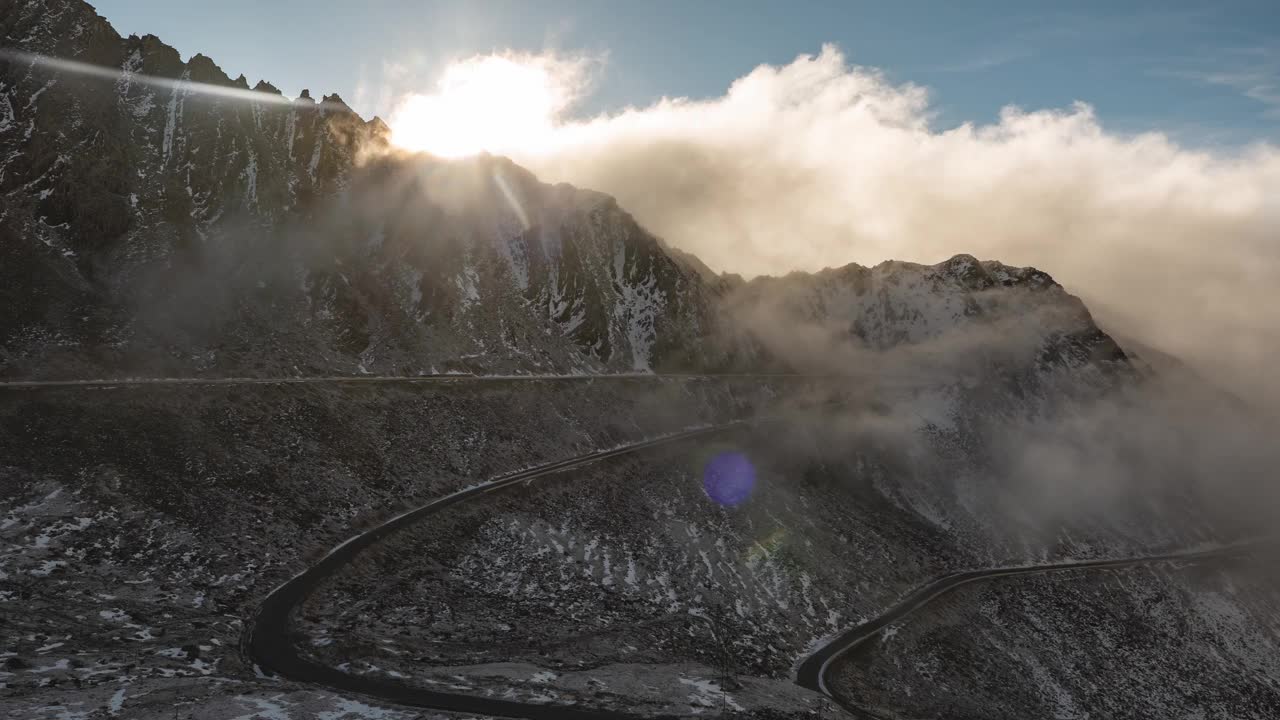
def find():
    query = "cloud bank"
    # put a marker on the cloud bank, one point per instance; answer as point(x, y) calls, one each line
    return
point(821, 163)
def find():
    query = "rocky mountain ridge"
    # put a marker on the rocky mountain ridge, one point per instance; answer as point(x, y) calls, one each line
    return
point(154, 228)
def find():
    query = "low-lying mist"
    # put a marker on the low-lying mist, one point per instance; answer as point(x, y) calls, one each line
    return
point(1059, 437)
point(1134, 464)
point(1022, 415)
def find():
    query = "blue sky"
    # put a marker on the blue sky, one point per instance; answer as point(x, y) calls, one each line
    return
point(1207, 73)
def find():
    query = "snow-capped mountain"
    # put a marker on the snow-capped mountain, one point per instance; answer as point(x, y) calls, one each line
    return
point(966, 312)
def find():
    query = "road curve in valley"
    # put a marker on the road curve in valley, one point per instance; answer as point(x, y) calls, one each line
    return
point(813, 671)
point(270, 641)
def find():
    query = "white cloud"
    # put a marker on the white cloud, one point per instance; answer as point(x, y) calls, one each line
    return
point(820, 163)
point(493, 103)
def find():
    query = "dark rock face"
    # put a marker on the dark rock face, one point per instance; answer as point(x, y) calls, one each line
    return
point(165, 228)
point(110, 186)
point(162, 218)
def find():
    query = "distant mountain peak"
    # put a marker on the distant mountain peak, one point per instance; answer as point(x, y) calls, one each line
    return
point(264, 86)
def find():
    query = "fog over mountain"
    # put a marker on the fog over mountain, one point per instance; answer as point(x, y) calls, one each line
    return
point(820, 162)
point(295, 423)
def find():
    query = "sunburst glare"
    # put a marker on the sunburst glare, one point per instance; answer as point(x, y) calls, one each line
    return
point(494, 103)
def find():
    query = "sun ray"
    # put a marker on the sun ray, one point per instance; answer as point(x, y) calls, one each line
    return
point(493, 103)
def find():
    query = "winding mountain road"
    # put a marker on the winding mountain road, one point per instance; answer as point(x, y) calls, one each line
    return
point(270, 641)
point(813, 671)
point(272, 647)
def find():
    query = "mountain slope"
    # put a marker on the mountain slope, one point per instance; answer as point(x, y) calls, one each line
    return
point(166, 229)
point(162, 218)
point(852, 315)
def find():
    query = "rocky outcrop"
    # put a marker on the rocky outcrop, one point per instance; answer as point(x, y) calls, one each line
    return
point(956, 318)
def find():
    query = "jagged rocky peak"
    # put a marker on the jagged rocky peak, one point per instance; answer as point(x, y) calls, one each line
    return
point(202, 68)
point(264, 86)
point(957, 306)
point(333, 101)
point(156, 57)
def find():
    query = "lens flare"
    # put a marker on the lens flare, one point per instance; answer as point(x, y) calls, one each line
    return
point(125, 78)
point(729, 478)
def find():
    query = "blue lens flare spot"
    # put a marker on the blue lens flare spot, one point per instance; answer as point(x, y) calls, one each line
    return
point(729, 478)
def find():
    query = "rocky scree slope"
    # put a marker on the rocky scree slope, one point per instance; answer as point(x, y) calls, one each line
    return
point(1142, 642)
point(141, 527)
point(629, 569)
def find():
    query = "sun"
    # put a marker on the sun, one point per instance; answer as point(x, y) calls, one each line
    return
point(494, 103)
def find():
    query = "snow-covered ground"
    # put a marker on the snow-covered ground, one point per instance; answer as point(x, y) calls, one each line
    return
point(139, 527)
point(1166, 641)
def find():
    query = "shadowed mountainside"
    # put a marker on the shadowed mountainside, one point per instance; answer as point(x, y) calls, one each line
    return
point(160, 229)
